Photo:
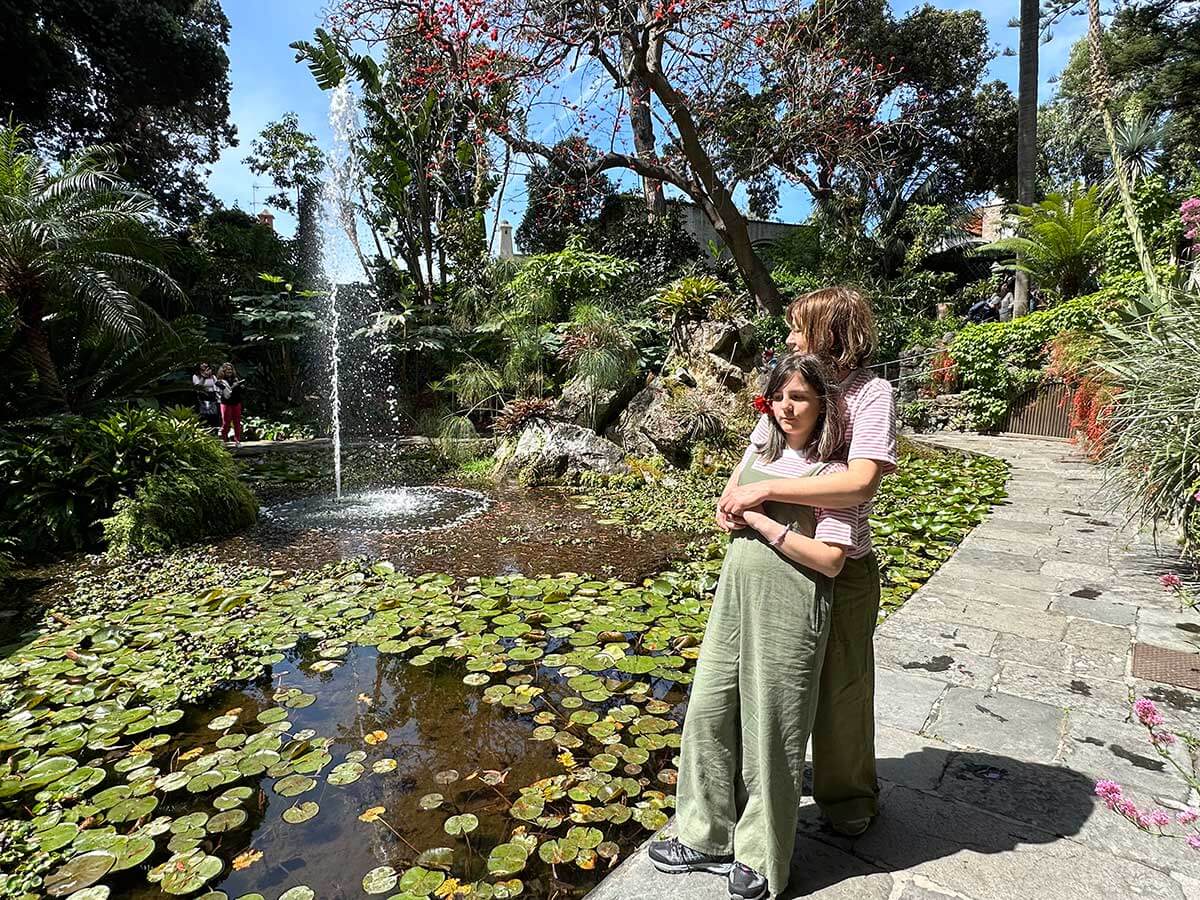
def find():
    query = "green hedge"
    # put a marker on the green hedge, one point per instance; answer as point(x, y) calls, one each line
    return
point(138, 479)
point(996, 360)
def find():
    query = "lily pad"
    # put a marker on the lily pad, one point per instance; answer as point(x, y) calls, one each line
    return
point(461, 824)
point(301, 812)
point(431, 801)
point(380, 880)
point(186, 873)
point(227, 821)
point(507, 859)
point(346, 773)
point(420, 881)
point(294, 785)
point(300, 892)
point(79, 872)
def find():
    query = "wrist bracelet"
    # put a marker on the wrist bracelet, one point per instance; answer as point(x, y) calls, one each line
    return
point(782, 535)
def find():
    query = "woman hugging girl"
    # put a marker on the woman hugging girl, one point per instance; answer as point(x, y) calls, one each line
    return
point(788, 651)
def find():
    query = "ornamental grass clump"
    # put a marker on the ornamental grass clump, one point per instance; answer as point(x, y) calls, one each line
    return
point(1182, 824)
point(1154, 429)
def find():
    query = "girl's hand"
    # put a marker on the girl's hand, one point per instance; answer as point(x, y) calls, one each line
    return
point(728, 523)
point(735, 502)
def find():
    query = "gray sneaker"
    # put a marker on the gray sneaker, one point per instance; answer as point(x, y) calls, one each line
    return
point(746, 884)
point(675, 858)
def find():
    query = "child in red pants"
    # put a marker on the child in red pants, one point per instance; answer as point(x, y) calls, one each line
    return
point(229, 389)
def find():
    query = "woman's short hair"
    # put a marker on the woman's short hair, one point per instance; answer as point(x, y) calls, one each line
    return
point(837, 324)
point(828, 437)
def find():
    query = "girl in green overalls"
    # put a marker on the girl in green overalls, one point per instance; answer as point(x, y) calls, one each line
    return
point(754, 695)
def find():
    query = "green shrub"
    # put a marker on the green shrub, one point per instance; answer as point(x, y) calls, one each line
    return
point(64, 475)
point(178, 507)
point(996, 360)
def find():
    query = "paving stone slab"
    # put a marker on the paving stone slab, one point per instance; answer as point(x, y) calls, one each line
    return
point(957, 635)
point(998, 561)
point(1103, 747)
point(1047, 654)
point(913, 760)
point(1096, 609)
point(1100, 696)
point(1098, 636)
point(1050, 797)
point(1180, 706)
point(996, 592)
point(1057, 568)
point(1000, 723)
point(1087, 663)
point(936, 661)
point(1171, 628)
point(904, 699)
point(992, 616)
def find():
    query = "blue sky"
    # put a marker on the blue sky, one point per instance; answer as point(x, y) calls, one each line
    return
point(267, 82)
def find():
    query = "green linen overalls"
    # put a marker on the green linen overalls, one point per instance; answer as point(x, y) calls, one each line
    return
point(754, 700)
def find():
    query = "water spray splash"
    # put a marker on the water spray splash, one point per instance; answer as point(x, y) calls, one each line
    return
point(343, 175)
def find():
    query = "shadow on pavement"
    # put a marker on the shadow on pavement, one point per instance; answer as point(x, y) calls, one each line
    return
point(936, 803)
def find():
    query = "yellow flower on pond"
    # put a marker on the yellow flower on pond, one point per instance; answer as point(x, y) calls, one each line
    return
point(244, 860)
point(567, 759)
point(447, 888)
point(376, 737)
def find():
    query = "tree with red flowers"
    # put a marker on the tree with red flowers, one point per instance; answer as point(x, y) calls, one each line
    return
point(708, 65)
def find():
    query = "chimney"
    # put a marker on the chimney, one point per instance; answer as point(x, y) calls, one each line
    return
point(506, 241)
point(266, 217)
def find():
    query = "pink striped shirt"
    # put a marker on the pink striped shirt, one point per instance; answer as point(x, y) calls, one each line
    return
point(871, 434)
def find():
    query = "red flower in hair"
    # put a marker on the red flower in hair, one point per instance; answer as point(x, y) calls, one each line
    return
point(762, 404)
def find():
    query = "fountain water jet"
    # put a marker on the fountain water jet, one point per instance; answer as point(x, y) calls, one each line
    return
point(343, 173)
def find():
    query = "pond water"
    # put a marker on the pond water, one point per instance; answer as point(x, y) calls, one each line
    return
point(397, 509)
point(426, 732)
point(528, 532)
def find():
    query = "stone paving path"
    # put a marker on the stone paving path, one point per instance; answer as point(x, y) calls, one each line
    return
point(1004, 692)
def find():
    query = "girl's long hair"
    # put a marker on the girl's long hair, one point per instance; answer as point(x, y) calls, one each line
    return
point(828, 437)
point(226, 371)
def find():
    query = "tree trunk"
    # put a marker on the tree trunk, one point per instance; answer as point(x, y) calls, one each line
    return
point(1027, 147)
point(641, 120)
point(712, 195)
point(37, 345)
point(734, 230)
point(643, 143)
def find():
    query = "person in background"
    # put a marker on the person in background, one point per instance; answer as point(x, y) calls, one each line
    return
point(229, 389)
point(205, 385)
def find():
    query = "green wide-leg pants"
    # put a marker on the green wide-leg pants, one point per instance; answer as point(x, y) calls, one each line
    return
point(843, 737)
point(752, 706)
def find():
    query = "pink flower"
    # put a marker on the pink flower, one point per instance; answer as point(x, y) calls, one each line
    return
point(1128, 809)
point(1108, 789)
point(1160, 819)
point(1171, 582)
point(1148, 713)
point(1187, 817)
point(1193, 841)
point(1197, 497)
point(1162, 739)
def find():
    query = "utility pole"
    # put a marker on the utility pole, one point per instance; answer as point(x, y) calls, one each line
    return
point(1027, 146)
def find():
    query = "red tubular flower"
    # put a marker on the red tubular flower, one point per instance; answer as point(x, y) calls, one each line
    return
point(762, 404)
